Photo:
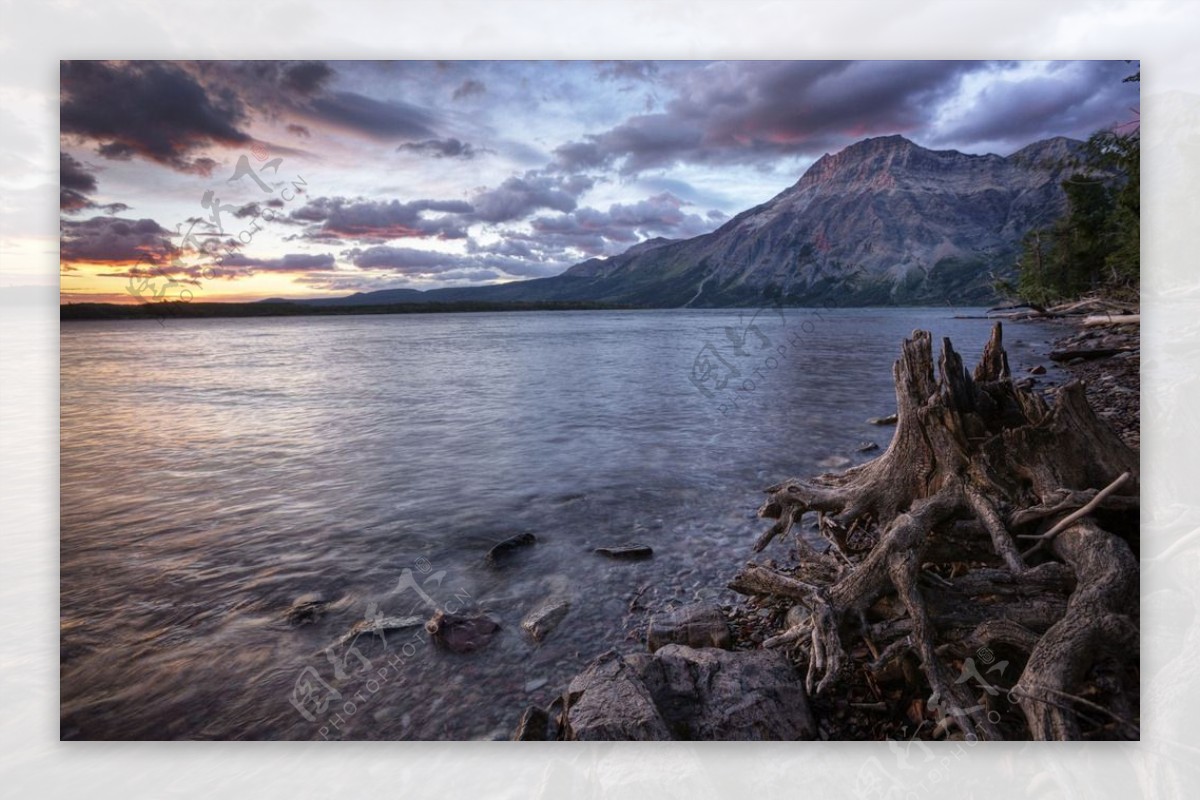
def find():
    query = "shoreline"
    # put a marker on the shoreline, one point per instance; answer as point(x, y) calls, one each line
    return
point(1112, 389)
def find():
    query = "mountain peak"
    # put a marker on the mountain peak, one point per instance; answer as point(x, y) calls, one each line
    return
point(874, 144)
point(882, 221)
point(1047, 152)
point(889, 141)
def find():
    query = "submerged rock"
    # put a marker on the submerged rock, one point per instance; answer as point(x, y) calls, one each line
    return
point(682, 693)
point(834, 462)
point(867, 447)
point(699, 625)
point(308, 608)
point(536, 684)
point(500, 552)
point(380, 627)
point(461, 633)
point(626, 551)
point(545, 618)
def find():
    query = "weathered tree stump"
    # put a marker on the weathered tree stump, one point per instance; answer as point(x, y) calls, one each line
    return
point(978, 469)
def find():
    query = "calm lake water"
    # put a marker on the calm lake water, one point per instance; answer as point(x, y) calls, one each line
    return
point(214, 471)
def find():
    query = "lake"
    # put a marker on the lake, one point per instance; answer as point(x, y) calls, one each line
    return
point(215, 471)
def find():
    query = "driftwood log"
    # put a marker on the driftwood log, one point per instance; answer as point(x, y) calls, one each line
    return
point(994, 523)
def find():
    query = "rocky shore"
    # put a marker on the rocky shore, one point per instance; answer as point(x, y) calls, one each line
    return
point(700, 671)
point(1112, 382)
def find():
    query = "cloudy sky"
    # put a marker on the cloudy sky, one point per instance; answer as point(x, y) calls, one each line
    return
point(242, 180)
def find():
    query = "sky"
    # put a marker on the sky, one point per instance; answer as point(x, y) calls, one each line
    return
point(224, 181)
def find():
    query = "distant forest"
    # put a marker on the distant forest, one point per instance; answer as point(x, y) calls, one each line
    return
point(193, 310)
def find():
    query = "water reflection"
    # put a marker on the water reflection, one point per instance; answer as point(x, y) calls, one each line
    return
point(215, 471)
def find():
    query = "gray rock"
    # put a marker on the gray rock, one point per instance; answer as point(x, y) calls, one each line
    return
point(689, 694)
point(308, 608)
point(533, 726)
point(867, 447)
point(609, 701)
point(700, 625)
point(545, 618)
point(380, 627)
point(886, 420)
point(501, 552)
point(461, 632)
point(710, 694)
point(626, 551)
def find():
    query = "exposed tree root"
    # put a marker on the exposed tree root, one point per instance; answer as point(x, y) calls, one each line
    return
point(976, 465)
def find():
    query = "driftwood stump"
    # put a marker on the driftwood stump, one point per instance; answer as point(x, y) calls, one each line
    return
point(994, 523)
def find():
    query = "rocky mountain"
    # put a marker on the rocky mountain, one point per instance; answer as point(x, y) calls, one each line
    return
point(882, 222)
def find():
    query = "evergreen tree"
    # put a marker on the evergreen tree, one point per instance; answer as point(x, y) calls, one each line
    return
point(1096, 246)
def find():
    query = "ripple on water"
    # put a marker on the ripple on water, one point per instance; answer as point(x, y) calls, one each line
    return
point(212, 475)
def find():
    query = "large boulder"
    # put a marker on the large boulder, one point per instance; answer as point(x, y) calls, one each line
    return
point(683, 693)
point(700, 625)
point(534, 725)
point(609, 701)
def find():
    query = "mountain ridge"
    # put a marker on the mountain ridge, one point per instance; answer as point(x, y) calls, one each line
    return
point(883, 221)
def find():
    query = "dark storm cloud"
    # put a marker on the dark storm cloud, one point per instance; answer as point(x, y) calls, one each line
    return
point(154, 110)
point(343, 218)
point(594, 231)
point(632, 71)
point(264, 84)
point(1073, 99)
point(302, 89)
point(583, 155)
point(450, 148)
point(403, 260)
point(454, 266)
point(381, 119)
point(510, 246)
point(72, 174)
point(306, 77)
point(291, 263)
point(251, 210)
point(114, 240)
point(468, 88)
point(746, 112)
point(75, 183)
point(470, 275)
point(518, 196)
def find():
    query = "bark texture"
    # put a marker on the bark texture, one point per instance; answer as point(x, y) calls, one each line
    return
point(994, 525)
